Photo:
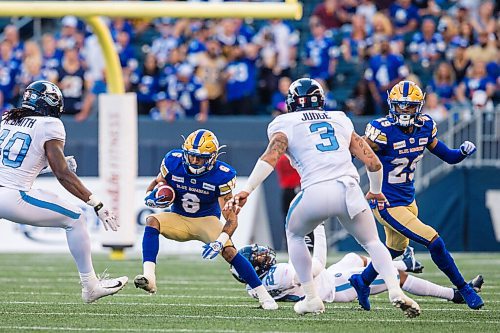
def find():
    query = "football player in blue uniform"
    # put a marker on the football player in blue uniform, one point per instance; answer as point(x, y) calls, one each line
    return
point(203, 185)
point(399, 140)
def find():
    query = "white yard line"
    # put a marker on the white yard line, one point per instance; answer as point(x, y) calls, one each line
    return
point(201, 305)
point(323, 318)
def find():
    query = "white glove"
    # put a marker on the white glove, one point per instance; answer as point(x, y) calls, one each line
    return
point(72, 165)
point(467, 148)
point(70, 160)
point(107, 217)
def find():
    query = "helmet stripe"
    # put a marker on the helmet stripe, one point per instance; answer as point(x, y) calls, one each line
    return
point(406, 88)
point(196, 142)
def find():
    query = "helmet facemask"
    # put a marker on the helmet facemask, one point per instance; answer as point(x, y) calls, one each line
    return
point(405, 114)
point(200, 151)
point(262, 258)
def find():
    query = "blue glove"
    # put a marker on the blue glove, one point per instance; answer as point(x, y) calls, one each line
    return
point(211, 250)
point(467, 148)
point(152, 201)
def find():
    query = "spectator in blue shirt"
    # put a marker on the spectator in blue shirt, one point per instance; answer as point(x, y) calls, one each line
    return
point(9, 68)
point(278, 100)
point(383, 72)
point(428, 45)
point(145, 82)
point(320, 53)
point(11, 33)
point(443, 84)
point(404, 16)
point(477, 80)
point(240, 75)
point(188, 91)
point(52, 56)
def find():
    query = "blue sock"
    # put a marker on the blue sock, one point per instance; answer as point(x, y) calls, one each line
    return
point(369, 274)
point(444, 261)
point(150, 244)
point(246, 271)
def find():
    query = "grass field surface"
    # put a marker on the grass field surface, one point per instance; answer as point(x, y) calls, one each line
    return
point(40, 292)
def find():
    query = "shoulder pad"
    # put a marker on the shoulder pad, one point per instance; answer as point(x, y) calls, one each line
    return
point(374, 132)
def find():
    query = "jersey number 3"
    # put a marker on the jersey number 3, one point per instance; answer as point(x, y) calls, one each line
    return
point(326, 132)
point(16, 147)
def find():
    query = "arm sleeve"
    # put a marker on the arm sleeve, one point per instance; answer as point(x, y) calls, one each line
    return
point(450, 156)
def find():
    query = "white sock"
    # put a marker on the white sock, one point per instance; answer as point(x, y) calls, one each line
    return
point(320, 247)
point(262, 293)
point(382, 262)
point(421, 287)
point(89, 280)
point(149, 268)
point(309, 289)
point(400, 265)
point(299, 256)
point(78, 240)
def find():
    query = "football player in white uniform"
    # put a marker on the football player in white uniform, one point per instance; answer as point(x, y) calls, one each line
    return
point(333, 283)
point(320, 145)
point(32, 139)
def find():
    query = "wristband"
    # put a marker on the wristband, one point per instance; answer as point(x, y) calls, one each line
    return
point(223, 238)
point(375, 178)
point(94, 201)
point(259, 173)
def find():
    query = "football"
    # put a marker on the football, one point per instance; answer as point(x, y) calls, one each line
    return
point(167, 191)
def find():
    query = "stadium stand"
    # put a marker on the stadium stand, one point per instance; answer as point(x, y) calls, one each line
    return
point(357, 47)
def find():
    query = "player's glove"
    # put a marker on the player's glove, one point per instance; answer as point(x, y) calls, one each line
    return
point(106, 216)
point(152, 201)
point(70, 160)
point(467, 148)
point(211, 250)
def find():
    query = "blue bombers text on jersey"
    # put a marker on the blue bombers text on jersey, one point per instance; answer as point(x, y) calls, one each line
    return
point(197, 195)
point(399, 153)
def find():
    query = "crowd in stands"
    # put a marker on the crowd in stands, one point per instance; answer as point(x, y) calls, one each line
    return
point(192, 68)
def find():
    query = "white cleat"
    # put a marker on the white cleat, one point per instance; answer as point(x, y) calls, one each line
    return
point(269, 304)
point(410, 308)
point(147, 284)
point(104, 287)
point(314, 305)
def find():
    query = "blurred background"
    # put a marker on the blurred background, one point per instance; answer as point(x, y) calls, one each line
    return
point(231, 76)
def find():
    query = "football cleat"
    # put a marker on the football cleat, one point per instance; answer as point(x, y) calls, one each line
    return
point(147, 284)
point(412, 265)
point(269, 304)
point(104, 287)
point(476, 283)
point(410, 308)
point(313, 305)
point(362, 290)
point(473, 300)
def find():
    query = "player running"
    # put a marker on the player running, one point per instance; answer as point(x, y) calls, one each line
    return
point(333, 283)
point(32, 136)
point(399, 140)
point(203, 185)
point(319, 144)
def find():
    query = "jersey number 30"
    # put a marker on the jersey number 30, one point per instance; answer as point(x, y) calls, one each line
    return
point(17, 146)
point(326, 132)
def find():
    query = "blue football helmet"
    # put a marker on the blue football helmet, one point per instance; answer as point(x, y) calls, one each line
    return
point(305, 94)
point(43, 97)
point(262, 258)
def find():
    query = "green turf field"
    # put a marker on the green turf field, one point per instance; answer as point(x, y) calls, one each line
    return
point(41, 293)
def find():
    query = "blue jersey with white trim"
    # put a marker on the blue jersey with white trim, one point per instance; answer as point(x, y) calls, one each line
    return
point(399, 153)
point(197, 195)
